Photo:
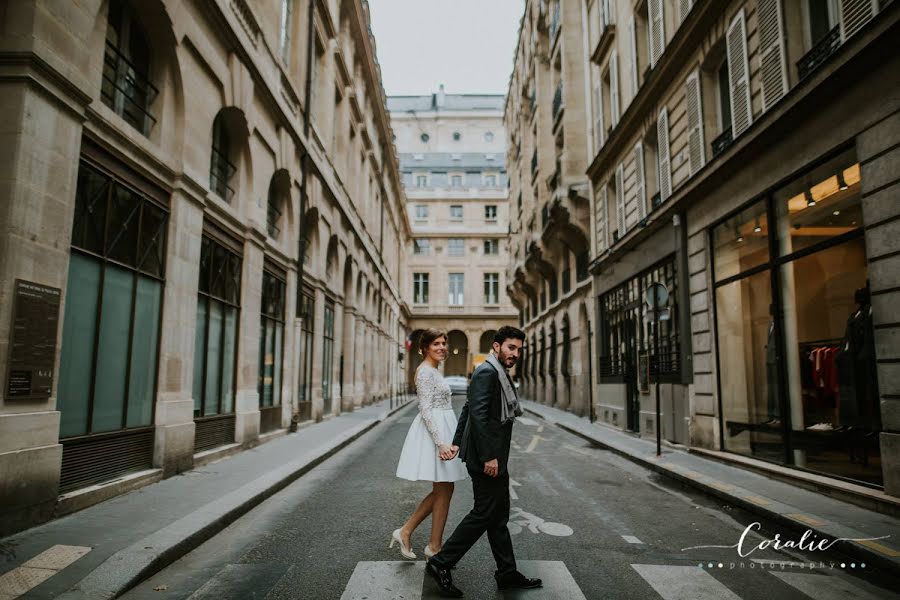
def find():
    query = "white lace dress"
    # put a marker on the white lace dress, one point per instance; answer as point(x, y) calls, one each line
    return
point(434, 425)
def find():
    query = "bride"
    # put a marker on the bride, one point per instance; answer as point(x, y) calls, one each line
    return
point(429, 453)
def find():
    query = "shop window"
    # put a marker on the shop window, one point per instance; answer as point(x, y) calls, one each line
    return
point(215, 337)
point(801, 387)
point(327, 355)
point(108, 360)
point(626, 332)
point(565, 368)
point(551, 366)
point(307, 330)
point(271, 341)
point(126, 86)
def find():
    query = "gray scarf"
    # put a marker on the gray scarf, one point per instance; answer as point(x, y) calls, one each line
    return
point(509, 407)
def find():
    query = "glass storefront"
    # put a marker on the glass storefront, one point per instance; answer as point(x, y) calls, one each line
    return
point(327, 356)
point(271, 343)
point(796, 352)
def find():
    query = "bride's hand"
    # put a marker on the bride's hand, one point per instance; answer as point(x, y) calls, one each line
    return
point(445, 452)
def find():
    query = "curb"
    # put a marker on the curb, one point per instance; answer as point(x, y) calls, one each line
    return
point(149, 555)
point(870, 556)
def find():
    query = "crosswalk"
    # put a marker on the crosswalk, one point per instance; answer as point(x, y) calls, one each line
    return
point(400, 580)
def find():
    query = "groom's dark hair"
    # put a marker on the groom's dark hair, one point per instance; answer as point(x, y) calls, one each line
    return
point(506, 332)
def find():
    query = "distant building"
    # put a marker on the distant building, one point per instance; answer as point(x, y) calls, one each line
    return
point(452, 150)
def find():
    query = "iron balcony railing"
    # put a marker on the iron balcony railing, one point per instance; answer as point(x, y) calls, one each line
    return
point(721, 143)
point(127, 91)
point(220, 173)
point(557, 100)
point(819, 53)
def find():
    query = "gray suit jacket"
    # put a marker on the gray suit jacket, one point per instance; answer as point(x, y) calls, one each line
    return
point(479, 435)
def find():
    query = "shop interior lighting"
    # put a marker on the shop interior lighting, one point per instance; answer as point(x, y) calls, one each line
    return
point(757, 228)
point(842, 184)
point(737, 235)
point(809, 198)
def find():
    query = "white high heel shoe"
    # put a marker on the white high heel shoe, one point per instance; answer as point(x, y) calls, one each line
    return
point(428, 551)
point(406, 551)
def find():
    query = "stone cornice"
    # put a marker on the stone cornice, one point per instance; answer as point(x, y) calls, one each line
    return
point(32, 68)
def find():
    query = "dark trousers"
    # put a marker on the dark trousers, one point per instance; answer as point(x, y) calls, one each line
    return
point(490, 514)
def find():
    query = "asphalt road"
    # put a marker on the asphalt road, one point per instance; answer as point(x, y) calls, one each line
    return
point(591, 523)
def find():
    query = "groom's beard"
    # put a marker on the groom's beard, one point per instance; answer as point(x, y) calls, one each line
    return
point(507, 360)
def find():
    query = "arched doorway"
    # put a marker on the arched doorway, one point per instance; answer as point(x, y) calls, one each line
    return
point(487, 338)
point(415, 359)
point(458, 354)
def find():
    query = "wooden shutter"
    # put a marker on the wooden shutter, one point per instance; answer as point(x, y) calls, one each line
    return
point(603, 217)
point(696, 149)
point(598, 120)
point(620, 200)
point(684, 8)
point(657, 30)
point(665, 164)
point(771, 52)
point(634, 56)
point(640, 180)
point(739, 79)
point(854, 14)
point(614, 87)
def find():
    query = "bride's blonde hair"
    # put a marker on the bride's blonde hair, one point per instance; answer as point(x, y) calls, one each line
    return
point(428, 336)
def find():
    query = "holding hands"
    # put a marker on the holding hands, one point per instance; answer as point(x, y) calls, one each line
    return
point(448, 452)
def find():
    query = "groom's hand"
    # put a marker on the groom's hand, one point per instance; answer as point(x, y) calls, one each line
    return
point(491, 468)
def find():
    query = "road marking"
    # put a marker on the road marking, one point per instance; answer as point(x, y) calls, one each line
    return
point(824, 587)
point(512, 493)
point(684, 583)
point(527, 421)
point(540, 429)
point(534, 443)
point(631, 539)
point(804, 519)
point(757, 500)
point(395, 580)
point(879, 548)
point(385, 580)
point(519, 519)
point(39, 569)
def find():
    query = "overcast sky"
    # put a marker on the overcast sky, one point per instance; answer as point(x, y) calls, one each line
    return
point(467, 45)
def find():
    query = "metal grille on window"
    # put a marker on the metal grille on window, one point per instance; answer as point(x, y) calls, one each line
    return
point(221, 170)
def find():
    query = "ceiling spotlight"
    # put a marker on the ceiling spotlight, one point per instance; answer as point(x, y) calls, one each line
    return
point(456, 351)
point(842, 185)
point(809, 198)
point(757, 228)
point(836, 213)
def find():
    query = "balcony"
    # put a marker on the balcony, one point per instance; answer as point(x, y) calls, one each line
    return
point(558, 102)
point(819, 53)
point(721, 143)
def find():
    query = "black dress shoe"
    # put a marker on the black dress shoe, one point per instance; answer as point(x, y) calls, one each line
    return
point(444, 580)
point(516, 580)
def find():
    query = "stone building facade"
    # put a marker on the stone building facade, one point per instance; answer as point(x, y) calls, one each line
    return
point(452, 160)
point(745, 155)
point(202, 233)
point(546, 116)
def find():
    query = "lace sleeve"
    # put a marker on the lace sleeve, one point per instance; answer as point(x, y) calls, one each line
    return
point(428, 390)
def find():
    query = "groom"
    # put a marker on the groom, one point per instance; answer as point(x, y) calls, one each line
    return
point(483, 435)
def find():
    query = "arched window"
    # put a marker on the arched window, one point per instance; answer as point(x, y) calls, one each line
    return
point(221, 169)
point(564, 368)
point(126, 86)
point(274, 210)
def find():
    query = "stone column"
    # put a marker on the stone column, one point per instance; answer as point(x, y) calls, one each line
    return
point(174, 447)
point(336, 391)
point(317, 351)
point(247, 398)
point(348, 350)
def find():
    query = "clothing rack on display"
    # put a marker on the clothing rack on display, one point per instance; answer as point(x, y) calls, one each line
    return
point(820, 382)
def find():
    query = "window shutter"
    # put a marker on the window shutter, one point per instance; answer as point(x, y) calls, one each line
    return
point(603, 217)
point(620, 200)
point(640, 180)
point(771, 57)
point(684, 8)
point(598, 121)
point(696, 150)
point(614, 87)
point(634, 57)
point(665, 165)
point(854, 14)
point(657, 30)
point(741, 111)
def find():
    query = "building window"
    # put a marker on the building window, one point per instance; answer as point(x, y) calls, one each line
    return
point(456, 181)
point(273, 211)
point(456, 212)
point(126, 86)
point(422, 246)
point(489, 136)
point(626, 334)
point(490, 212)
point(420, 288)
point(456, 247)
point(327, 356)
point(456, 289)
point(221, 169)
point(491, 247)
point(421, 211)
point(421, 181)
point(491, 288)
point(424, 137)
point(307, 311)
point(108, 362)
point(284, 36)
point(553, 284)
point(271, 340)
point(215, 334)
point(490, 180)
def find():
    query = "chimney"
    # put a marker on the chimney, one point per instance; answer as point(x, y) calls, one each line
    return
point(440, 96)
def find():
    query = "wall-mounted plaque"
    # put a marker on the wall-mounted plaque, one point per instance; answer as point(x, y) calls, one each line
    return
point(32, 349)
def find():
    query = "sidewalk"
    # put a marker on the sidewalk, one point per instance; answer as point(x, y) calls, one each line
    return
point(796, 508)
point(111, 546)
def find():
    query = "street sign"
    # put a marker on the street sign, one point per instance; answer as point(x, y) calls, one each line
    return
point(657, 295)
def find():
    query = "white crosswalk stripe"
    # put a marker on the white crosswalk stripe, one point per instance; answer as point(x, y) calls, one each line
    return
point(824, 587)
point(684, 583)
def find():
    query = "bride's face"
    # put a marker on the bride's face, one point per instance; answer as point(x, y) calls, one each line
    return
point(437, 350)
